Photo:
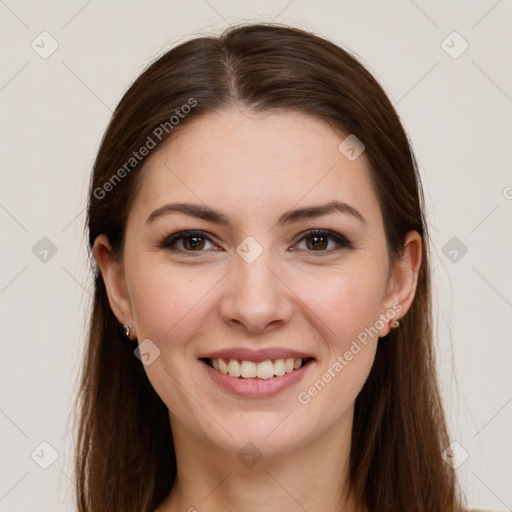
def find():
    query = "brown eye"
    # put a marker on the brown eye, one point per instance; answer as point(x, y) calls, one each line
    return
point(186, 241)
point(325, 242)
point(193, 242)
point(317, 242)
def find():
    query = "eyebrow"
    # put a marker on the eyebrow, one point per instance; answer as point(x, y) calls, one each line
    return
point(289, 217)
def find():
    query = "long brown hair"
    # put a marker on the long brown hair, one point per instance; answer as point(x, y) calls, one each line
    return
point(125, 459)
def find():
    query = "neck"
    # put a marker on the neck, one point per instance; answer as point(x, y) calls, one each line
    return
point(312, 477)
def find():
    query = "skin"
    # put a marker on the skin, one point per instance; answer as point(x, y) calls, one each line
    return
point(254, 167)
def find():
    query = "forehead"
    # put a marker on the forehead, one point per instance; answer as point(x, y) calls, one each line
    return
point(264, 162)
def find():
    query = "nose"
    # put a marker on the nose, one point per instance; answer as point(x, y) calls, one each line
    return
point(256, 297)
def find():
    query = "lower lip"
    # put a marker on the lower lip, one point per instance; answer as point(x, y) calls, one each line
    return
point(256, 388)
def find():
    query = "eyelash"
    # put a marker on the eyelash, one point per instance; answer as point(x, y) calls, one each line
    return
point(340, 240)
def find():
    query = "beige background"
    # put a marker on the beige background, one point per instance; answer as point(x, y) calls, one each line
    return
point(456, 109)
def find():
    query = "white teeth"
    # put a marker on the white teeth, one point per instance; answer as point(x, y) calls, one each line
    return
point(263, 370)
point(288, 364)
point(223, 366)
point(234, 368)
point(279, 367)
point(248, 369)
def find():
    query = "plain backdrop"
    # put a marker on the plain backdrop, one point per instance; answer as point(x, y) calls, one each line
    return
point(445, 66)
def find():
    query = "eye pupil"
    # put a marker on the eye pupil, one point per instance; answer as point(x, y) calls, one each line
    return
point(195, 244)
point(316, 244)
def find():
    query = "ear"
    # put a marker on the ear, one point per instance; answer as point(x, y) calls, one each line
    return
point(112, 272)
point(402, 280)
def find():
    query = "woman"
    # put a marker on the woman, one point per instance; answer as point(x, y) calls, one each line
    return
point(261, 334)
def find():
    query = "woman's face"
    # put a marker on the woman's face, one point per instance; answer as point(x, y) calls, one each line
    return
point(252, 284)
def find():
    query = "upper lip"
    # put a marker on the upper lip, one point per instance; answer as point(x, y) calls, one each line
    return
point(246, 354)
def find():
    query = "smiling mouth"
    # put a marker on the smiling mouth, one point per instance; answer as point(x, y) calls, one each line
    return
point(267, 369)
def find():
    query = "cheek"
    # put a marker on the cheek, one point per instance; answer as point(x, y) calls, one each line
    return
point(348, 303)
point(169, 309)
point(165, 302)
point(348, 307)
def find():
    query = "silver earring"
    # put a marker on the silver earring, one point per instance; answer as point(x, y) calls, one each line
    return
point(127, 328)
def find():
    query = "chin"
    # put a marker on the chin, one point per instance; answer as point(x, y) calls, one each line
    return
point(266, 433)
